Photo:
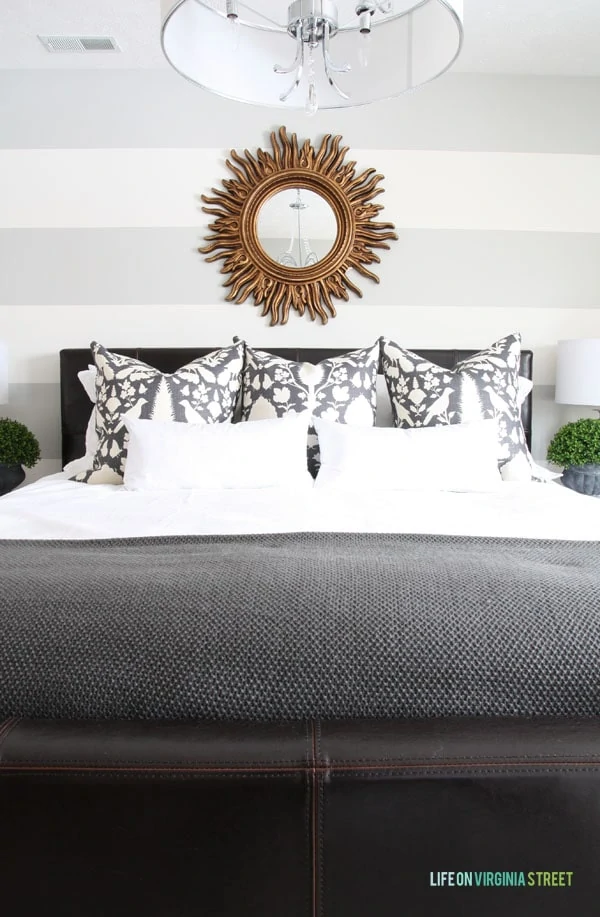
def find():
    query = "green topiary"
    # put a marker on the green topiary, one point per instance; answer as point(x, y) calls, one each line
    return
point(18, 445)
point(576, 443)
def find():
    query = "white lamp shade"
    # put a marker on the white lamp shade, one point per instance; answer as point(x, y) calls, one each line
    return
point(413, 44)
point(3, 374)
point(578, 372)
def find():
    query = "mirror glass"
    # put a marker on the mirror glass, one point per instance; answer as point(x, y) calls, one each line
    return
point(296, 227)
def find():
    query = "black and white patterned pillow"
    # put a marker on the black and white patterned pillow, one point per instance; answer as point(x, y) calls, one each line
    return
point(204, 391)
point(483, 386)
point(342, 389)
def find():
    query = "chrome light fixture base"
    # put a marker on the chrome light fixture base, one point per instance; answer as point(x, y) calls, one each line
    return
point(312, 26)
point(309, 21)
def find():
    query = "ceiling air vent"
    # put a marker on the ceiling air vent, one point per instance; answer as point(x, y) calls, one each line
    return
point(78, 43)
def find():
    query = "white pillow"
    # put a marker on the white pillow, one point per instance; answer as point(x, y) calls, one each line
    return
point(461, 457)
point(180, 456)
point(544, 475)
point(87, 377)
point(525, 387)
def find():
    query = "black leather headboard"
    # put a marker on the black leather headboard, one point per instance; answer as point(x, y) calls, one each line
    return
point(75, 404)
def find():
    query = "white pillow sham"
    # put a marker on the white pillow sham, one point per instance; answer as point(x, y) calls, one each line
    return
point(461, 457)
point(166, 455)
point(87, 377)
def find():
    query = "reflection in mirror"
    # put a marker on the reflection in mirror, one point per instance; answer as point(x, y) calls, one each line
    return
point(296, 227)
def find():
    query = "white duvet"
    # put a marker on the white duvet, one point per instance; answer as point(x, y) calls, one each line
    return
point(55, 507)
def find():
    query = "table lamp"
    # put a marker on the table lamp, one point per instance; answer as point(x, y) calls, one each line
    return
point(576, 446)
point(578, 372)
point(3, 374)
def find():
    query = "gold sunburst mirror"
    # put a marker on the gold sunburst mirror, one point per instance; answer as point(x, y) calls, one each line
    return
point(292, 223)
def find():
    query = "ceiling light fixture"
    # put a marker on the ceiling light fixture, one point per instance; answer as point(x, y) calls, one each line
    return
point(322, 54)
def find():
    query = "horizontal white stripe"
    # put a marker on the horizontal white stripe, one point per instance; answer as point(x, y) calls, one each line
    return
point(424, 189)
point(35, 334)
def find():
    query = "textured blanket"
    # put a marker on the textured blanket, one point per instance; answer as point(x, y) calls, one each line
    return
point(268, 627)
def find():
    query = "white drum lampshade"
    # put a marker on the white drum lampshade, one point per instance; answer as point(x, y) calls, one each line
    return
point(578, 372)
point(311, 53)
point(3, 374)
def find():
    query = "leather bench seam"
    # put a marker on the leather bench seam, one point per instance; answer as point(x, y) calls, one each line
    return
point(308, 820)
point(329, 764)
point(314, 822)
point(320, 776)
point(446, 759)
point(327, 767)
point(318, 769)
point(471, 770)
point(466, 763)
point(290, 764)
point(149, 768)
point(115, 775)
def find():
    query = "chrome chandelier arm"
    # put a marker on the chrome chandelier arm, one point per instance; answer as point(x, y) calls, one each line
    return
point(297, 62)
point(335, 68)
point(298, 65)
point(330, 67)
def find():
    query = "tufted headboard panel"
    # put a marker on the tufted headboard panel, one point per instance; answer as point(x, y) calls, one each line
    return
point(75, 404)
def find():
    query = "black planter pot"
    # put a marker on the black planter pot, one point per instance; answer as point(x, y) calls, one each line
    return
point(585, 479)
point(10, 477)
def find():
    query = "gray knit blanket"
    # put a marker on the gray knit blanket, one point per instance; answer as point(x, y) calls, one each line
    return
point(293, 626)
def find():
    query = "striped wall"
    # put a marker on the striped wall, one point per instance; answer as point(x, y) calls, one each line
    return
point(498, 222)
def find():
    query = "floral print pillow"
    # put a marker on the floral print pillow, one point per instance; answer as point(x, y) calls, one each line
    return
point(204, 391)
point(342, 389)
point(485, 385)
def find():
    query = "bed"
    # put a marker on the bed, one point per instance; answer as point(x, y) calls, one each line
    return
point(323, 765)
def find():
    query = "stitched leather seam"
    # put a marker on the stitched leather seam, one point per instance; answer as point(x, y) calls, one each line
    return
point(399, 762)
point(320, 789)
point(321, 835)
point(153, 768)
point(315, 822)
point(299, 769)
point(490, 771)
point(16, 770)
point(225, 765)
point(295, 764)
point(149, 775)
point(465, 764)
point(308, 823)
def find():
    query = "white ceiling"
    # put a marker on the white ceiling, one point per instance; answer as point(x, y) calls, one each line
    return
point(543, 37)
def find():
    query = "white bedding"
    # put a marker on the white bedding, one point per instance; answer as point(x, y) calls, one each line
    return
point(55, 507)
